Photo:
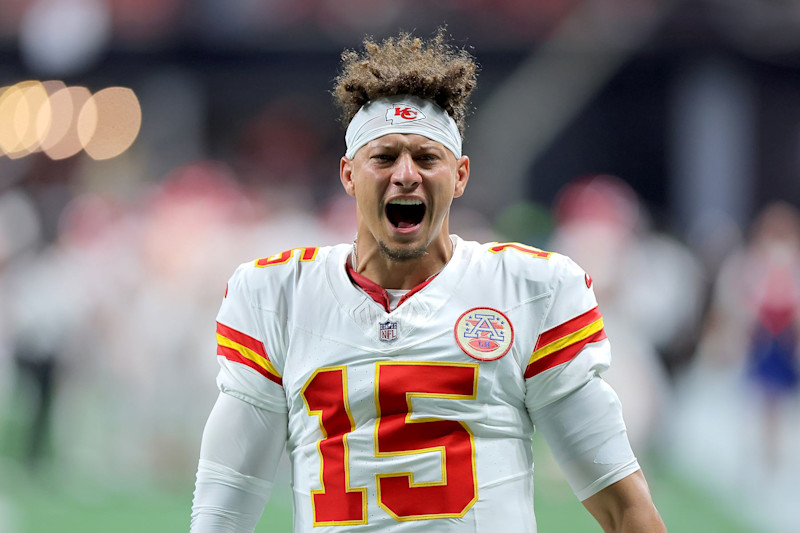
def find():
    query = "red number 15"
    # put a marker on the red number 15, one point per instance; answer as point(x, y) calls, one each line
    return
point(396, 433)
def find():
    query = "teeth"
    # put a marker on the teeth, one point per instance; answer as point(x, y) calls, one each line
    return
point(406, 201)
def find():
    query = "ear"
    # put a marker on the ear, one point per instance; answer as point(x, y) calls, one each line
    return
point(346, 175)
point(462, 175)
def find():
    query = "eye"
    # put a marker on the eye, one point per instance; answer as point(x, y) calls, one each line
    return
point(383, 157)
point(427, 158)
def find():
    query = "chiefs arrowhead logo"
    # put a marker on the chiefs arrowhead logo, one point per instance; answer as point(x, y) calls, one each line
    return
point(403, 113)
point(588, 280)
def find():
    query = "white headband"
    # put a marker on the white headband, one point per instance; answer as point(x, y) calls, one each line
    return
point(402, 114)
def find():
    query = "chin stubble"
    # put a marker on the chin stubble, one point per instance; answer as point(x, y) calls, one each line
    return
point(402, 254)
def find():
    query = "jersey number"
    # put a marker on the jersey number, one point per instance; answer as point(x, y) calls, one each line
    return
point(524, 248)
point(396, 384)
point(306, 254)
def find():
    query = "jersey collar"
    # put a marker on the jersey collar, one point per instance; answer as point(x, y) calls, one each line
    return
point(418, 306)
point(378, 293)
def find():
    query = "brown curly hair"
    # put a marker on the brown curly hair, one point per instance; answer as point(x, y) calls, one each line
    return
point(433, 69)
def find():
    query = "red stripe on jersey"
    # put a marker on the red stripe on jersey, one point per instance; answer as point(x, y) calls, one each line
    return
point(568, 327)
point(241, 338)
point(232, 355)
point(562, 356)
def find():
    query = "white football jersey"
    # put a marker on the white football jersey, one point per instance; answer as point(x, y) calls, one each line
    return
point(415, 419)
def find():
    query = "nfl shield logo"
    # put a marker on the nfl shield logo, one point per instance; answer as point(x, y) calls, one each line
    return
point(388, 331)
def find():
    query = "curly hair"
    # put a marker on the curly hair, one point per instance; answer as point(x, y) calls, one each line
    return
point(433, 69)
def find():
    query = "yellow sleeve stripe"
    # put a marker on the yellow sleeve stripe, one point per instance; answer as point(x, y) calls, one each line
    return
point(568, 340)
point(247, 353)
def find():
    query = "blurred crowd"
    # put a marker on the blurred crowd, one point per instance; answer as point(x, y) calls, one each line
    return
point(107, 317)
point(107, 346)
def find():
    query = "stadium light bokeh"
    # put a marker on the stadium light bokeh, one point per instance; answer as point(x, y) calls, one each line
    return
point(62, 121)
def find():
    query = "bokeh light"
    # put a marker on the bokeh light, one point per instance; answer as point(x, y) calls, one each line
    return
point(61, 121)
point(62, 138)
point(18, 105)
point(109, 122)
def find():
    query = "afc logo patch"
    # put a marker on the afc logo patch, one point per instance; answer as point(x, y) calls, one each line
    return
point(403, 113)
point(484, 333)
point(388, 331)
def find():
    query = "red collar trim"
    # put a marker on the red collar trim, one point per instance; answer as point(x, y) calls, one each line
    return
point(378, 293)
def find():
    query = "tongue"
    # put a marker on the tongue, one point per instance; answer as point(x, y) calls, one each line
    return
point(404, 225)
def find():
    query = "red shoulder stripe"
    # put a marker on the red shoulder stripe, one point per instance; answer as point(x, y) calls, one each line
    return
point(241, 338)
point(236, 357)
point(568, 327)
point(562, 356)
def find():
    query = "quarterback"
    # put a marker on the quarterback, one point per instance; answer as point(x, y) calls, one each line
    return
point(404, 373)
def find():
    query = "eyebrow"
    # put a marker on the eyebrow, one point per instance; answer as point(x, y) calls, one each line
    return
point(427, 145)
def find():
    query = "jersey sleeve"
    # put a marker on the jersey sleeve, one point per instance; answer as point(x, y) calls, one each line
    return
point(247, 339)
point(578, 413)
point(571, 347)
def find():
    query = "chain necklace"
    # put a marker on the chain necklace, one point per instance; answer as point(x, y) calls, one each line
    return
point(354, 260)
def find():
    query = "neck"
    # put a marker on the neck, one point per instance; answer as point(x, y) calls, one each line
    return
point(372, 263)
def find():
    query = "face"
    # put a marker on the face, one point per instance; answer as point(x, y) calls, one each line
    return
point(404, 185)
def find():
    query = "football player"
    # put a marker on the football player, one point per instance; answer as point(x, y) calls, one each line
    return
point(404, 373)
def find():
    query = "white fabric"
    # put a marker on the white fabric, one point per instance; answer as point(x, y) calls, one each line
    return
point(395, 295)
point(342, 382)
point(239, 454)
point(402, 114)
point(587, 436)
point(225, 501)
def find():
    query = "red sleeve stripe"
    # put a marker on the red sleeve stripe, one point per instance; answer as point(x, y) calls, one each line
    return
point(232, 355)
point(562, 356)
point(569, 327)
point(243, 339)
point(241, 348)
point(563, 342)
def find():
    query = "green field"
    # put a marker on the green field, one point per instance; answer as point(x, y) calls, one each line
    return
point(48, 501)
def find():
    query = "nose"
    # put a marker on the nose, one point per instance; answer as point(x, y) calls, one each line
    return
point(406, 174)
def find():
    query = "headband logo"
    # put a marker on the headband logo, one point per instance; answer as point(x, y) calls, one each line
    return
point(403, 113)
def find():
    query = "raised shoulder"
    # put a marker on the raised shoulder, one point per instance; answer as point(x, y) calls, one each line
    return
point(302, 254)
point(267, 281)
point(526, 262)
point(286, 262)
point(501, 247)
point(535, 271)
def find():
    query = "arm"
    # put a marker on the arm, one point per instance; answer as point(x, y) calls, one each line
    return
point(626, 507)
point(587, 436)
point(239, 455)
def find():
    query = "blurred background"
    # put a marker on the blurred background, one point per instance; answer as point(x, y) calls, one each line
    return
point(149, 147)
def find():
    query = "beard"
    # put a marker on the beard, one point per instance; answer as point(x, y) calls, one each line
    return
point(402, 254)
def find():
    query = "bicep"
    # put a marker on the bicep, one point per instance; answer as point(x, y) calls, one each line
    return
point(243, 437)
point(239, 455)
point(587, 436)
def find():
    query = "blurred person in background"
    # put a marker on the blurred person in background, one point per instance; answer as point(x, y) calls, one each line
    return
point(42, 305)
point(20, 235)
point(757, 300)
point(650, 285)
point(404, 373)
point(773, 365)
point(47, 306)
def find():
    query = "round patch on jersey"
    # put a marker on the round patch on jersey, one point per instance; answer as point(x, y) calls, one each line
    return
point(484, 333)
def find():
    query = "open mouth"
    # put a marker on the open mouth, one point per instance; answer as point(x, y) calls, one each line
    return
point(404, 213)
